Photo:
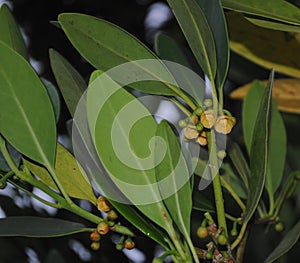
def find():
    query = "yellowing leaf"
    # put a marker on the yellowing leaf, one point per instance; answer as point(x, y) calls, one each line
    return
point(265, 47)
point(286, 93)
point(71, 176)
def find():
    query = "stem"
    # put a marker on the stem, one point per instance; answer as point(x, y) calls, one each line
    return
point(233, 194)
point(219, 201)
point(181, 107)
point(241, 249)
point(239, 237)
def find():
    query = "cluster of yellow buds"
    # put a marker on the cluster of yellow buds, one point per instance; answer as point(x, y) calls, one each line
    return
point(201, 121)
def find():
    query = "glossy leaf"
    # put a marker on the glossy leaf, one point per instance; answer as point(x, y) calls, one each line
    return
point(27, 121)
point(121, 134)
point(168, 49)
point(104, 52)
point(71, 176)
point(215, 17)
point(70, 82)
point(198, 34)
point(173, 165)
point(288, 241)
point(54, 96)
point(265, 47)
point(29, 226)
point(286, 93)
point(277, 138)
point(259, 151)
point(10, 33)
point(280, 10)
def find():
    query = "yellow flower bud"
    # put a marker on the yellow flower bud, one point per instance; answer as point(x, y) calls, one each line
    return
point(208, 118)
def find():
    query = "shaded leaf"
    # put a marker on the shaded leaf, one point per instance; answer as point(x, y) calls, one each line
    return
point(26, 121)
point(265, 47)
point(141, 223)
point(272, 24)
point(10, 33)
point(280, 10)
point(16, 156)
point(104, 52)
point(54, 96)
point(195, 27)
point(277, 138)
point(239, 162)
point(174, 166)
point(233, 180)
point(286, 93)
point(71, 176)
point(29, 226)
point(70, 82)
point(202, 203)
point(289, 240)
point(259, 151)
point(213, 11)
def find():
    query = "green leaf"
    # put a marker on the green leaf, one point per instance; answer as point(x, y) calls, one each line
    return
point(10, 33)
point(141, 223)
point(235, 182)
point(104, 52)
point(288, 241)
point(202, 203)
point(277, 138)
point(168, 49)
point(107, 186)
point(274, 9)
point(70, 82)
point(271, 24)
point(259, 151)
point(29, 226)
point(213, 11)
point(174, 166)
point(71, 176)
point(239, 162)
point(197, 32)
point(26, 115)
point(121, 131)
point(54, 96)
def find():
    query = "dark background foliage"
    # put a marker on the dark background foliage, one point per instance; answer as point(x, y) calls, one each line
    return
point(34, 18)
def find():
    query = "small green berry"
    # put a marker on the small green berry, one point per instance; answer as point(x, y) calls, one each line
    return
point(182, 123)
point(199, 126)
point(279, 227)
point(208, 103)
point(198, 111)
point(202, 232)
point(209, 254)
point(222, 240)
point(119, 246)
point(222, 154)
